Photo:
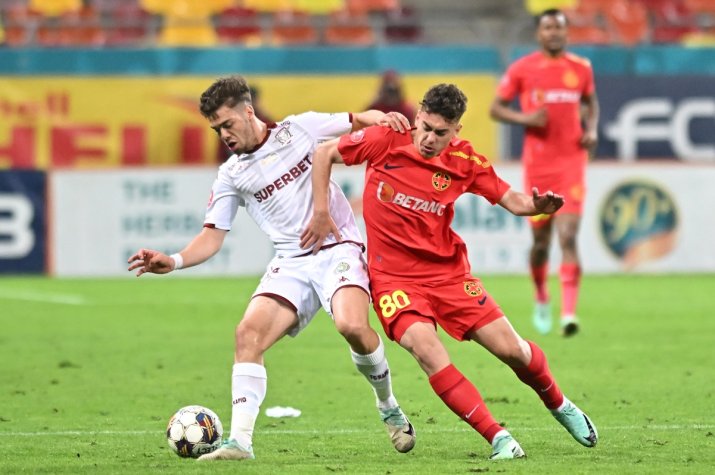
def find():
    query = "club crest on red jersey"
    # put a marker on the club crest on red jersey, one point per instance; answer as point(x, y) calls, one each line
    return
point(472, 288)
point(385, 192)
point(570, 79)
point(441, 181)
point(357, 136)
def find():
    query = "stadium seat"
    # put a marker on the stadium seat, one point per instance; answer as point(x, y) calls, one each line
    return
point(347, 27)
point(535, 7)
point(269, 6)
point(318, 7)
point(238, 25)
point(586, 25)
point(293, 27)
point(82, 27)
point(55, 7)
point(701, 6)
point(186, 22)
point(403, 26)
point(372, 5)
point(128, 25)
point(20, 24)
point(670, 20)
point(628, 19)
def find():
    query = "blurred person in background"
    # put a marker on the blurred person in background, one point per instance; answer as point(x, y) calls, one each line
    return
point(269, 175)
point(559, 111)
point(391, 96)
point(420, 275)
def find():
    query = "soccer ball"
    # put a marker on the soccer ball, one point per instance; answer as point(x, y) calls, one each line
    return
point(194, 431)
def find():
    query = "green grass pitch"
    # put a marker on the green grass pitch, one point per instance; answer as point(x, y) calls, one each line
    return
point(91, 371)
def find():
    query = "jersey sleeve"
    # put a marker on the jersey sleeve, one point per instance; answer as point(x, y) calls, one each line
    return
point(223, 203)
point(323, 126)
point(368, 144)
point(485, 181)
point(510, 83)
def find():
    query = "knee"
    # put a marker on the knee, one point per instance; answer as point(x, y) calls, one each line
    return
point(352, 329)
point(248, 342)
point(516, 353)
point(568, 241)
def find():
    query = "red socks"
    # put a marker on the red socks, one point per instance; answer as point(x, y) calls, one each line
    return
point(463, 399)
point(539, 275)
point(538, 376)
point(570, 278)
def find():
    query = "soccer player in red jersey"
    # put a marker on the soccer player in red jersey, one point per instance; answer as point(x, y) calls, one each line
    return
point(419, 272)
point(555, 90)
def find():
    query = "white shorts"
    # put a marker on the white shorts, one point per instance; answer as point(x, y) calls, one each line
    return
point(309, 282)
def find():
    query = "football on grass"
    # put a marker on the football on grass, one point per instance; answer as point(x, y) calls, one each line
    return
point(194, 431)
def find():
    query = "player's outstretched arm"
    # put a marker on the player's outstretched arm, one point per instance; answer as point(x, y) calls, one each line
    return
point(521, 204)
point(200, 249)
point(394, 120)
point(321, 224)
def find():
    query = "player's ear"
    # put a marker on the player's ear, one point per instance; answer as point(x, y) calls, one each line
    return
point(457, 129)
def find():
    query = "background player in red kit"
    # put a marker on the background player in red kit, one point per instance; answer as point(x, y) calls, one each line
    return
point(419, 272)
point(554, 89)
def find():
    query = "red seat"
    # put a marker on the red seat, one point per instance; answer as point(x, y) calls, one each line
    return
point(586, 26)
point(74, 28)
point(671, 20)
point(293, 27)
point(129, 25)
point(628, 19)
point(372, 5)
point(20, 23)
point(347, 27)
point(238, 25)
point(402, 26)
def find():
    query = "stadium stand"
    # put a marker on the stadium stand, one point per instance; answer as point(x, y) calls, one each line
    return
point(128, 24)
point(138, 23)
point(349, 27)
point(186, 22)
point(293, 27)
point(238, 25)
point(403, 25)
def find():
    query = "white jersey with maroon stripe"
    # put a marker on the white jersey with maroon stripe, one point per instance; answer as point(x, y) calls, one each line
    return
point(274, 184)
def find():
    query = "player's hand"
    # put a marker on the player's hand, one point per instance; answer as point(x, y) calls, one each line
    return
point(396, 121)
point(538, 118)
point(147, 260)
point(320, 225)
point(589, 139)
point(548, 203)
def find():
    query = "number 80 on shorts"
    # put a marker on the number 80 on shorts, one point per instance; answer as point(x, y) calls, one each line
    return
point(391, 303)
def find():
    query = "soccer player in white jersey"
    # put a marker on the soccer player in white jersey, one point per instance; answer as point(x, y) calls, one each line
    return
point(269, 175)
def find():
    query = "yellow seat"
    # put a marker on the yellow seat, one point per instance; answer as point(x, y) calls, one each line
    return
point(55, 7)
point(537, 6)
point(187, 22)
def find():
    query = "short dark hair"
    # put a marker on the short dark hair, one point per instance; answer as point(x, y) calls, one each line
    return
point(227, 91)
point(446, 100)
point(554, 12)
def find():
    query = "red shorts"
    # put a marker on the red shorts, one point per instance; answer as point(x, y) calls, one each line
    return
point(571, 185)
point(456, 306)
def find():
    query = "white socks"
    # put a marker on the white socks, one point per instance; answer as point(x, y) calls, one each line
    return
point(377, 372)
point(248, 389)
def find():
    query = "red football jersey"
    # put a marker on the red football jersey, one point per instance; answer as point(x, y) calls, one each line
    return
point(408, 202)
point(557, 84)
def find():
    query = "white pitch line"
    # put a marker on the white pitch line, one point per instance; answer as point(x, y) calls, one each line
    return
point(665, 427)
point(43, 297)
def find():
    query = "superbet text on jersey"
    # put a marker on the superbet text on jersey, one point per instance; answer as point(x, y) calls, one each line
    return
point(273, 183)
